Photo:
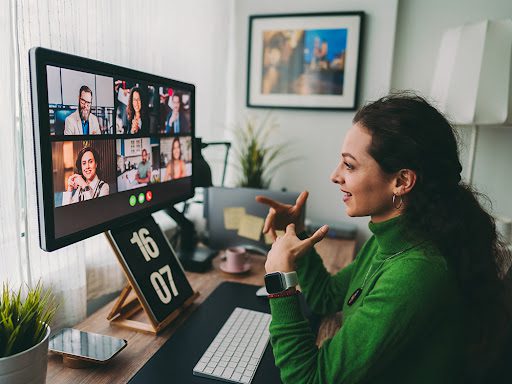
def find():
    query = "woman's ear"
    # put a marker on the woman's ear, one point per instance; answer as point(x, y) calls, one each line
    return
point(405, 181)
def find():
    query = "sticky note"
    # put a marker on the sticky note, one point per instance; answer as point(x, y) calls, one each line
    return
point(250, 227)
point(268, 237)
point(232, 217)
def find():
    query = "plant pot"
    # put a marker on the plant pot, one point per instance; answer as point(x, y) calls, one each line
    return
point(27, 367)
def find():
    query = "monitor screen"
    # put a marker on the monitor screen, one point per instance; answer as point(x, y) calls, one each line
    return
point(111, 144)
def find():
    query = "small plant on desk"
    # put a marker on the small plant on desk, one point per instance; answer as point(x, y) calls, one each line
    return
point(24, 334)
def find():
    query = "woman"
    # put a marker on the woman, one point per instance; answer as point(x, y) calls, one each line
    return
point(424, 301)
point(135, 111)
point(176, 166)
point(85, 183)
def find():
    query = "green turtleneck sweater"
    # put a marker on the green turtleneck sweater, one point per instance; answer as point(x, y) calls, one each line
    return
point(405, 327)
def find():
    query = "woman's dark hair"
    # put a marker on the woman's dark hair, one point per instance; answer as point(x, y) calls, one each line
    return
point(97, 159)
point(175, 140)
point(130, 112)
point(179, 95)
point(171, 162)
point(409, 133)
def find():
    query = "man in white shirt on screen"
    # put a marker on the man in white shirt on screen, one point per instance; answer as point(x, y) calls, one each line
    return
point(82, 121)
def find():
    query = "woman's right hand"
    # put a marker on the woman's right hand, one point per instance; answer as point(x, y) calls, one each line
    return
point(281, 215)
point(135, 125)
point(72, 185)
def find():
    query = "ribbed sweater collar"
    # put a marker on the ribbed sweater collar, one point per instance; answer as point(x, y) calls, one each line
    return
point(392, 235)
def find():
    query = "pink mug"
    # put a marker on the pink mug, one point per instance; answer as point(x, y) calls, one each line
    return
point(236, 259)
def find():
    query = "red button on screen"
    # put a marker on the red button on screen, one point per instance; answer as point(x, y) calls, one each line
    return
point(149, 195)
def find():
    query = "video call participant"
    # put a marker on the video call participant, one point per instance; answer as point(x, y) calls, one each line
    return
point(176, 166)
point(85, 184)
point(135, 112)
point(425, 300)
point(82, 121)
point(143, 175)
point(176, 122)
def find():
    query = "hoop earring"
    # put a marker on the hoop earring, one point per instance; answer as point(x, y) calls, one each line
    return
point(399, 204)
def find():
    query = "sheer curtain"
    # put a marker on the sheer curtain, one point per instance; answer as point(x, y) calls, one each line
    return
point(11, 242)
point(184, 41)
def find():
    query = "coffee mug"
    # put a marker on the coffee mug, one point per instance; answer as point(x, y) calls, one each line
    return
point(236, 259)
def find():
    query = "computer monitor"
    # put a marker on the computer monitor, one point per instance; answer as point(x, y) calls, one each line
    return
point(111, 145)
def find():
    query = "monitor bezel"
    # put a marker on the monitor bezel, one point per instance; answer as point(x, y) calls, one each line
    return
point(39, 58)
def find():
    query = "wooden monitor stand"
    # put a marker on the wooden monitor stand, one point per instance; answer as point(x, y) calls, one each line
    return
point(128, 305)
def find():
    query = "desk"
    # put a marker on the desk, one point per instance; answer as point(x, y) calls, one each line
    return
point(336, 254)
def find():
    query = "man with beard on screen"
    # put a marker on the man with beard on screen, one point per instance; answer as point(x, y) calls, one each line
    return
point(143, 175)
point(82, 121)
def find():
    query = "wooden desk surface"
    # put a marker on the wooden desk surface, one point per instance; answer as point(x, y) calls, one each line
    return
point(336, 254)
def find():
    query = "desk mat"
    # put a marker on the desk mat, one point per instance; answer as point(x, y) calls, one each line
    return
point(174, 361)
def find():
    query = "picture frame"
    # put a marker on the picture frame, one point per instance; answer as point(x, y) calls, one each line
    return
point(305, 61)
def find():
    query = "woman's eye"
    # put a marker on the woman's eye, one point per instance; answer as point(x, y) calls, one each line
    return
point(348, 165)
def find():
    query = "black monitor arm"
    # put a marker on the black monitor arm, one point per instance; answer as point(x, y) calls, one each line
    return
point(192, 257)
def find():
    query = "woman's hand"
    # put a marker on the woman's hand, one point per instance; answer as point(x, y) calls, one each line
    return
point(288, 248)
point(75, 181)
point(135, 125)
point(280, 215)
point(80, 182)
point(71, 182)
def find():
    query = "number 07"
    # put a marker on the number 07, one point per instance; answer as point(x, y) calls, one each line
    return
point(161, 288)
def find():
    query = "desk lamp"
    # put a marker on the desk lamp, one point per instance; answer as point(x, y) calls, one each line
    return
point(473, 78)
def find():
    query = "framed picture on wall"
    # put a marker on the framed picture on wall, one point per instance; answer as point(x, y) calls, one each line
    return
point(304, 61)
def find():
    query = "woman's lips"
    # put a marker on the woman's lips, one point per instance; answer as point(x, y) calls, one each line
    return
point(346, 196)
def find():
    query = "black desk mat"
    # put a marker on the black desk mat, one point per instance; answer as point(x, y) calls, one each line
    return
point(174, 361)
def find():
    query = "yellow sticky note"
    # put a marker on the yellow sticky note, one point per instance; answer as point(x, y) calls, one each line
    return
point(250, 227)
point(268, 237)
point(232, 217)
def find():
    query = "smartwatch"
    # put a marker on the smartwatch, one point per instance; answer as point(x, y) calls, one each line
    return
point(277, 282)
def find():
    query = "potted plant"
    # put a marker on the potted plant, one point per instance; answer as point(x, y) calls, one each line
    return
point(257, 159)
point(24, 334)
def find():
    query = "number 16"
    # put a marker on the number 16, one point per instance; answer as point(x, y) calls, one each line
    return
point(146, 244)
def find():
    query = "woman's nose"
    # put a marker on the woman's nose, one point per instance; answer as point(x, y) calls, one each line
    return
point(336, 175)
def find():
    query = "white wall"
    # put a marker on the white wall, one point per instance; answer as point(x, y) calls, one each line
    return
point(317, 135)
point(419, 30)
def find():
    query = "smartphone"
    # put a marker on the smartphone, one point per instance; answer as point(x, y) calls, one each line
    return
point(86, 345)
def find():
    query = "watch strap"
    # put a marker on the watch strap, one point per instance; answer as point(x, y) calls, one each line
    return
point(291, 279)
point(287, 293)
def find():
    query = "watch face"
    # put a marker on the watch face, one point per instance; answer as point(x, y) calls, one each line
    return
point(274, 283)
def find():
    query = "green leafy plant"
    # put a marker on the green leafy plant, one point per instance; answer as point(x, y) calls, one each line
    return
point(256, 159)
point(23, 321)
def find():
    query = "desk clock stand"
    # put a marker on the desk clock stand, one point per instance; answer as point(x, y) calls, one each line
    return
point(157, 283)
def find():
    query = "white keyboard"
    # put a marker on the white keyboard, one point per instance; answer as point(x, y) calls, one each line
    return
point(236, 351)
